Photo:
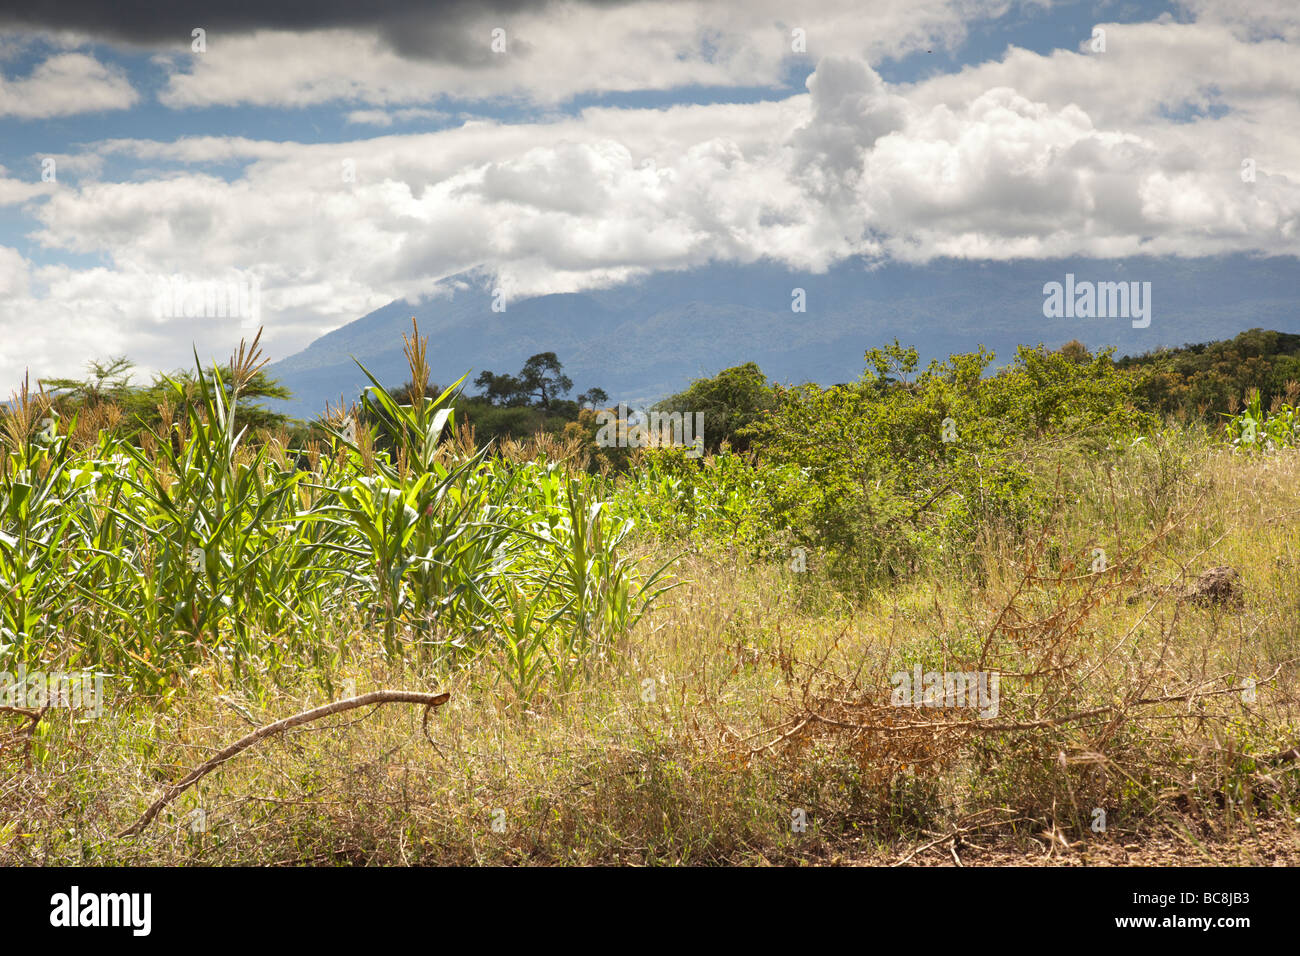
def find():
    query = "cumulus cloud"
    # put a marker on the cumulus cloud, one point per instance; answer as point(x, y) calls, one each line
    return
point(851, 110)
point(1250, 19)
point(388, 117)
point(400, 51)
point(553, 52)
point(1066, 154)
point(854, 166)
point(431, 27)
point(13, 273)
point(78, 314)
point(63, 85)
point(14, 191)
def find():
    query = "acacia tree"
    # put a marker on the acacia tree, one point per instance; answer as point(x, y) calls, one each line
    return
point(541, 381)
point(594, 397)
point(104, 382)
point(501, 389)
point(543, 378)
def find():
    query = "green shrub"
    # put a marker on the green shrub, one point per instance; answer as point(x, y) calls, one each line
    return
point(1253, 430)
point(896, 472)
point(723, 501)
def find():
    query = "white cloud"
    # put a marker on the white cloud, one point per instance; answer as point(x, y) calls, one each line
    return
point(13, 273)
point(14, 191)
point(1250, 19)
point(79, 315)
point(388, 117)
point(1108, 155)
point(563, 50)
point(66, 84)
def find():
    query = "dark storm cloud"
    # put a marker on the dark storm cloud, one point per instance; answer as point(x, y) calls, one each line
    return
point(443, 30)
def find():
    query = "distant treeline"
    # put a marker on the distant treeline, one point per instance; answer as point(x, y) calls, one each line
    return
point(1200, 381)
point(1203, 381)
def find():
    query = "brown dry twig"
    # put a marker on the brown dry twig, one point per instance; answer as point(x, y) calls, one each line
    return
point(955, 834)
point(33, 717)
point(430, 701)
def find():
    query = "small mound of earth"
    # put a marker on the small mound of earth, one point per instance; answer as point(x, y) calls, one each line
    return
point(1213, 587)
point(1216, 586)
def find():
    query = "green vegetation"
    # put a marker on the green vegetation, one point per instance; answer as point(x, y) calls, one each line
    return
point(196, 549)
point(890, 472)
point(731, 401)
point(523, 405)
point(1201, 381)
point(105, 400)
point(652, 657)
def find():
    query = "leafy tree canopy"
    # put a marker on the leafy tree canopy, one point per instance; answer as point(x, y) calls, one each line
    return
point(539, 383)
point(731, 401)
point(109, 383)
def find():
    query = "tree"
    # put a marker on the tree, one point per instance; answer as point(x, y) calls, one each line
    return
point(594, 397)
point(109, 383)
point(732, 400)
point(1076, 351)
point(889, 367)
point(406, 394)
point(542, 379)
point(501, 389)
point(1201, 380)
point(105, 382)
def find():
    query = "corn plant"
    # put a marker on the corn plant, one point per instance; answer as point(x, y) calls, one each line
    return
point(195, 549)
point(1254, 430)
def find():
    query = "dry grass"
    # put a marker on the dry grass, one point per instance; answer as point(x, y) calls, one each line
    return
point(753, 692)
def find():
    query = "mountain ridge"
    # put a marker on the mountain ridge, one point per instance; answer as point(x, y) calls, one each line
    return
point(642, 340)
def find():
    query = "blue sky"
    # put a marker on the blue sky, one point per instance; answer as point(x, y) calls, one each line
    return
point(607, 143)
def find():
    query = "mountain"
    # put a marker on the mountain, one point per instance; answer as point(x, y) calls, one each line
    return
point(646, 339)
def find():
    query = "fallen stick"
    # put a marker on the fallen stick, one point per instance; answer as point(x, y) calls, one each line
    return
point(430, 701)
point(947, 837)
point(33, 715)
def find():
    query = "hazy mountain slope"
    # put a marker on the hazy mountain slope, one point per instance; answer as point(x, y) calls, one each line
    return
point(646, 339)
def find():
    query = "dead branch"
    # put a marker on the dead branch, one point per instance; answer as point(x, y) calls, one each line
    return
point(33, 717)
point(32, 714)
point(430, 701)
point(955, 835)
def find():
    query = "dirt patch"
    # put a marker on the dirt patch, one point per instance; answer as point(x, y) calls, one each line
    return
point(1258, 843)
